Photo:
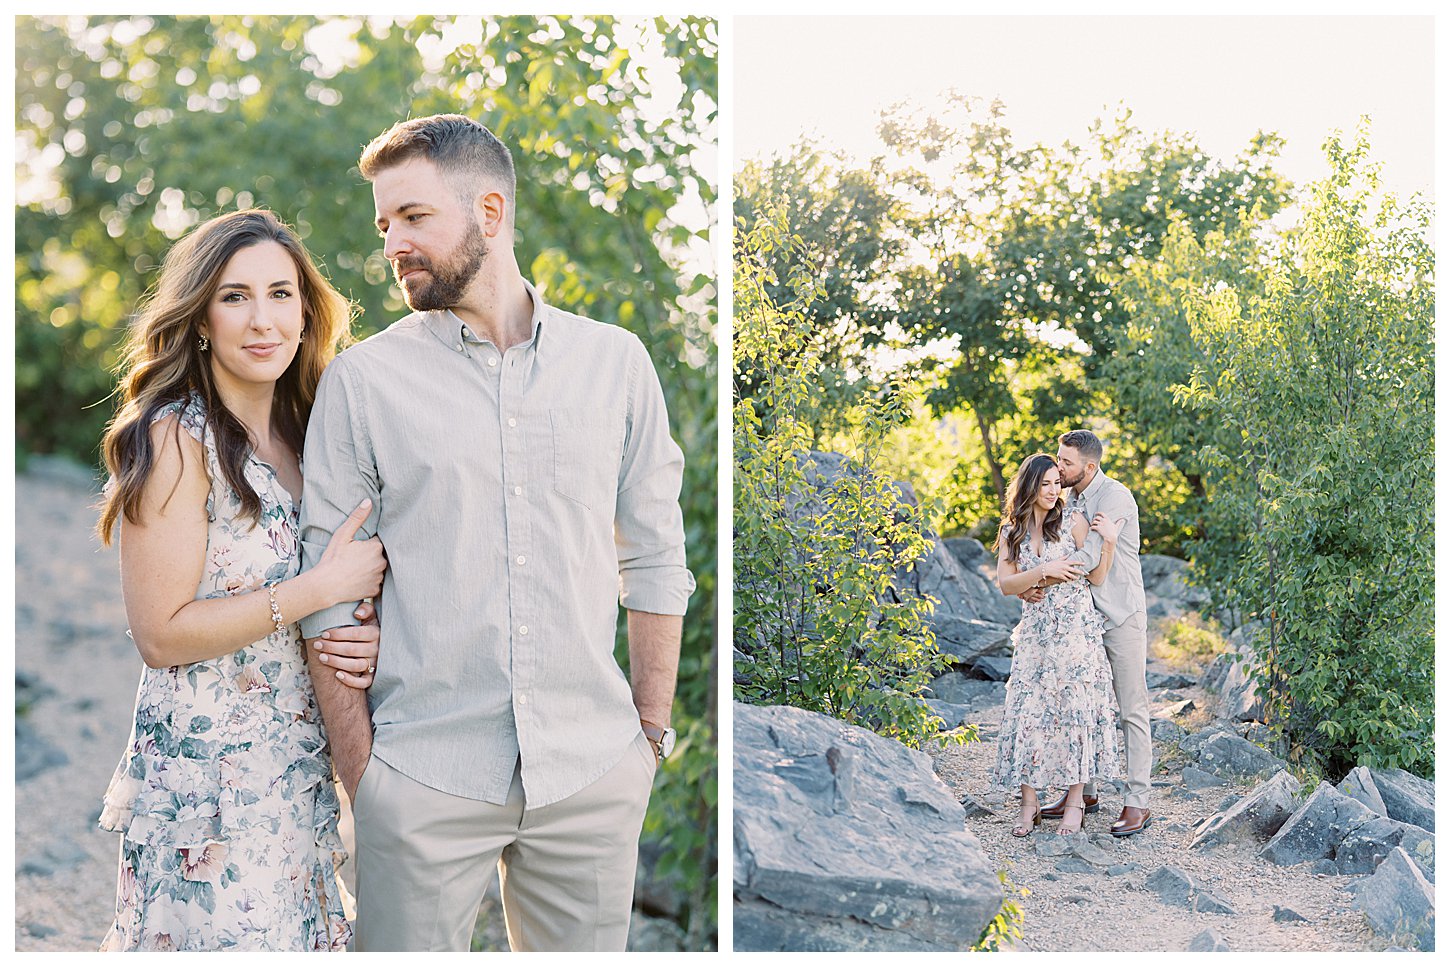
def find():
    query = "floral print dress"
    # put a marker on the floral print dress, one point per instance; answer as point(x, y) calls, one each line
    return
point(224, 797)
point(1059, 723)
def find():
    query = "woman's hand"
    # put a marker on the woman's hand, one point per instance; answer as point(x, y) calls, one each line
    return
point(350, 569)
point(1062, 569)
point(1107, 527)
point(353, 651)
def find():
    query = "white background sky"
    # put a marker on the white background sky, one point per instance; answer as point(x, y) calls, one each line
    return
point(1221, 78)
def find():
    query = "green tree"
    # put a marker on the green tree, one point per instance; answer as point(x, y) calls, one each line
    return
point(1322, 490)
point(819, 623)
point(133, 129)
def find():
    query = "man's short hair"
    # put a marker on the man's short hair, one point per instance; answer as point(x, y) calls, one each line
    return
point(465, 151)
point(1085, 442)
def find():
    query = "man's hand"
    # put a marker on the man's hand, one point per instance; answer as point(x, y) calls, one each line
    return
point(1033, 595)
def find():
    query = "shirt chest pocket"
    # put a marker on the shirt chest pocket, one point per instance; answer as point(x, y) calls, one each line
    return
point(587, 446)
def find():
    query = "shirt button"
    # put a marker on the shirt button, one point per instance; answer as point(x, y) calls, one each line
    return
point(513, 422)
point(492, 361)
point(459, 347)
point(519, 559)
point(518, 490)
point(523, 629)
point(524, 699)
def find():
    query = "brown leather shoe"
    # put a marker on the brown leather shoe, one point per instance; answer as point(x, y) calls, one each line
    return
point(1090, 804)
point(1132, 820)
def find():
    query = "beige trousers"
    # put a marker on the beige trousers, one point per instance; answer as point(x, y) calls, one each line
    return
point(1127, 648)
point(424, 860)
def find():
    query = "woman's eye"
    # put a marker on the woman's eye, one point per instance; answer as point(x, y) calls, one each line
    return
point(282, 294)
point(232, 297)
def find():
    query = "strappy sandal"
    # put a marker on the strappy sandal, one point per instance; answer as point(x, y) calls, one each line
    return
point(1062, 829)
point(1021, 831)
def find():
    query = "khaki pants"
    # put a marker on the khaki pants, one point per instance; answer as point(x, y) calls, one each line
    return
point(1127, 648)
point(424, 860)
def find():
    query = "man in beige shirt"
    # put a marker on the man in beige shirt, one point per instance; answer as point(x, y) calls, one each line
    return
point(1120, 599)
point(524, 485)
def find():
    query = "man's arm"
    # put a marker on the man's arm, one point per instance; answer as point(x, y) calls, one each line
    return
point(338, 468)
point(654, 659)
point(649, 539)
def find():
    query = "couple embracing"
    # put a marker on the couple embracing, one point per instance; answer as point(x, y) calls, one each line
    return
point(1068, 546)
point(499, 474)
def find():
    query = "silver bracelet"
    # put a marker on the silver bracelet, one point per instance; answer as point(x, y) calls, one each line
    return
point(276, 611)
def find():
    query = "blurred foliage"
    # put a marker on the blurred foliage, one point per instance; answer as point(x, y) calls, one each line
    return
point(132, 129)
point(819, 621)
point(1321, 375)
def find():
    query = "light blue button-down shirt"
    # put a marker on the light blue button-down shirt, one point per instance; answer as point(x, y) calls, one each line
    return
point(521, 497)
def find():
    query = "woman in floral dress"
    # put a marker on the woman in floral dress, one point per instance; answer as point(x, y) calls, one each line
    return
point(224, 797)
point(1058, 726)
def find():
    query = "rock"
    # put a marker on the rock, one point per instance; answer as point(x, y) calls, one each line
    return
point(979, 564)
point(1359, 784)
point(1316, 828)
point(59, 854)
point(1254, 818)
point(1051, 845)
point(1225, 754)
point(1367, 844)
point(1398, 901)
point(973, 809)
point(1170, 696)
point(1167, 577)
point(1324, 868)
point(1169, 680)
point(845, 840)
point(1198, 779)
point(1208, 941)
point(954, 688)
point(1407, 797)
point(1074, 864)
point(994, 668)
point(40, 931)
point(1288, 915)
point(656, 895)
point(654, 935)
point(1166, 731)
point(1178, 709)
point(1238, 695)
point(34, 754)
point(972, 617)
point(1176, 888)
point(1118, 869)
point(952, 715)
point(963, 640)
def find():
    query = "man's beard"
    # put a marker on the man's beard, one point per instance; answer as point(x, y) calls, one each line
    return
point(1069, 482)
point(446, 281)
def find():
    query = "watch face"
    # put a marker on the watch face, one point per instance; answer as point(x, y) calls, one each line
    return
point(667, 743)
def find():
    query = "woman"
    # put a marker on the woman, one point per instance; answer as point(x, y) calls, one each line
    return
point(224, 796)
point(1058, 725)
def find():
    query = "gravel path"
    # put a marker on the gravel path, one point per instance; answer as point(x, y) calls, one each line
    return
point(1096, 911)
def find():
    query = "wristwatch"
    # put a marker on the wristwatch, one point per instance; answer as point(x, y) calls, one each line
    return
point(662, 738)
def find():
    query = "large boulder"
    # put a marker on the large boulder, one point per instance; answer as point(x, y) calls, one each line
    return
point(1166, 589)
point(1398, 902)
point(1359, 784)
point(1223, 753)
point(978, 568)
point(1407, 797)
point(845, 840)
point(1317, 827)
point(1365, 847)
point(1254, 818)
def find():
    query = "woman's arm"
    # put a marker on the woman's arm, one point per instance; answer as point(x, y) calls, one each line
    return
point(1079, 530)
point(163, 554)
point(1012, 581)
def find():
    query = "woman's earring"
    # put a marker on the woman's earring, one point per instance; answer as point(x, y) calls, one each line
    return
point(203, 343)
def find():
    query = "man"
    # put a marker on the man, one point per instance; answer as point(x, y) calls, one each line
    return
point(1120, 599)
point(523, 481)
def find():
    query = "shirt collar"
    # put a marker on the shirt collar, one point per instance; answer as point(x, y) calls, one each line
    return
point(455, 334)
point(1097, 484)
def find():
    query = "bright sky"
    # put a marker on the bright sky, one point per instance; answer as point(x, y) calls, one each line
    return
point(1221, 78)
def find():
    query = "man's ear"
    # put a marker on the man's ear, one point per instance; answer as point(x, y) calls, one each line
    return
point(491, 208)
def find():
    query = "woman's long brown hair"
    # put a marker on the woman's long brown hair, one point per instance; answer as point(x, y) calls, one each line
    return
point(163, 363)
point(1017, 507)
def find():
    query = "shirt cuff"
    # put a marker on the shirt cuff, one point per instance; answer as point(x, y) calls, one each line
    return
point(337, 616)
point(656, 590)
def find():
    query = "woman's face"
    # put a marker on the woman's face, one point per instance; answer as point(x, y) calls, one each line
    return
point(1049, 490)
point(254, 319)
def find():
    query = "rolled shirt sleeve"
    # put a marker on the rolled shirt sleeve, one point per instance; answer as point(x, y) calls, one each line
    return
point(1117, 504)
point(649, 529)
point(338, 473)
